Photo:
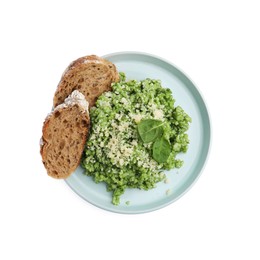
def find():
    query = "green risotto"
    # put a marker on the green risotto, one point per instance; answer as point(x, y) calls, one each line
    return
point(136, 133)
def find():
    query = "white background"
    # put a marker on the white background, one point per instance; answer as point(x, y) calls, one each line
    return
point(217, 43)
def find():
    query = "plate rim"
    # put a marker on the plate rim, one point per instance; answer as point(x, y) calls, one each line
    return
point(162, 205)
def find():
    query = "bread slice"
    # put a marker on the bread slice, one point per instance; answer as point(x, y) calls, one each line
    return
point(91, 75)
point(64, 136)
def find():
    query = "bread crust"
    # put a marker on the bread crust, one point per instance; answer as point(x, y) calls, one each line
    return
point(91, 75)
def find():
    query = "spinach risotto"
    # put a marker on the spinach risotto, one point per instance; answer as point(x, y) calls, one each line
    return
point(136, 133)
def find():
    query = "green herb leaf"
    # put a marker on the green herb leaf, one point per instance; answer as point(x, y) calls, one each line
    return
point(161, 150)
point(150, 129)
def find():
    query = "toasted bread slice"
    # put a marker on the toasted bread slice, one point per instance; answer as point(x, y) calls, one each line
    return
point(91, 75)
point(64, 136)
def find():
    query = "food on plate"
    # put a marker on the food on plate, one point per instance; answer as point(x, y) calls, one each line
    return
point(136, 133)
point(91, 75)
point(64, 135)
point(132, 134)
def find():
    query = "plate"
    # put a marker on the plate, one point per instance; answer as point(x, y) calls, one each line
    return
point(139, 66)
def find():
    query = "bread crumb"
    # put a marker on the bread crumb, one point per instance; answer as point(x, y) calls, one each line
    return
point(166, 181)
point(168, 192)
point(41, 142)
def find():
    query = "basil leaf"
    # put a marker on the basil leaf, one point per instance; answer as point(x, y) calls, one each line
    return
point(161, 150)
point(150, 129)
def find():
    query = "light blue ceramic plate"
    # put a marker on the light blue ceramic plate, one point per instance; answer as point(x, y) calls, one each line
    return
point(140, 66)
